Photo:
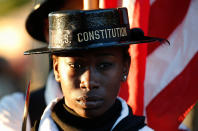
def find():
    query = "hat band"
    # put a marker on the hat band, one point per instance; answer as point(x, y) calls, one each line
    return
point(67, 38)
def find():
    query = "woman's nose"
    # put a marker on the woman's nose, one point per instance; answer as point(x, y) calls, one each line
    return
point(89, 80)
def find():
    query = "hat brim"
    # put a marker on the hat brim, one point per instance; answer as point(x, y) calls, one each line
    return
point(45, 50)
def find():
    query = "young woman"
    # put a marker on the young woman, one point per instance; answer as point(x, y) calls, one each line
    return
point(90, 60)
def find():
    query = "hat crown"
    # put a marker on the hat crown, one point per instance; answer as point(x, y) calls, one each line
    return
point(89, 19)
point(75, 28)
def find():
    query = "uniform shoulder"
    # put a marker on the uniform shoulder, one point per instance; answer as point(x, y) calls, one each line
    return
point(146, 128)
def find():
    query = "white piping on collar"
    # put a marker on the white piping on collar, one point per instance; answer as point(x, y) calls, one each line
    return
point(52, 89)
point(124, 113)
point(46, 122)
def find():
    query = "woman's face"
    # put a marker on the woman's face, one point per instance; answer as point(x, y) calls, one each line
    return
point(90, 80)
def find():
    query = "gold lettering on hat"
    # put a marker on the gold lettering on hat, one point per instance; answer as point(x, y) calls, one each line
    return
point(117, 32)
point(66, 38)
point(80, 39)
point(114, 33)
point(105, 33)
point(102, 34)
point(123, 31)
point(85, 36)
point(109, 30)
point(59, 38)
point(97, 36)
point(91, 35)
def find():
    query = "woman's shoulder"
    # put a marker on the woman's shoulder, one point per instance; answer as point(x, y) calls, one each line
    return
point(46, 122)
point(146, 128)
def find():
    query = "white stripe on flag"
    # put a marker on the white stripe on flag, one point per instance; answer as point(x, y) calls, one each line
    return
point(167, 62)
point(129, 4)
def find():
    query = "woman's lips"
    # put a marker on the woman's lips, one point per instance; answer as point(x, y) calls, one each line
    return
point(90, 102)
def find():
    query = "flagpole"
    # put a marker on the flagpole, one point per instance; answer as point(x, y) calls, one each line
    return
point(90, 4)
point(26, 107)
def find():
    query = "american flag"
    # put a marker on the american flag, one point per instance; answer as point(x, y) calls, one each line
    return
point(163, 79)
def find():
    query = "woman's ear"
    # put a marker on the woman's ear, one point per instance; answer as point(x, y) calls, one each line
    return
point(126, 67)
point(55, 67)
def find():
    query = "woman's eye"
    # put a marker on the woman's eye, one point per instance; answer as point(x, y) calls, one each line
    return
point(104, 66)
point(76, 66)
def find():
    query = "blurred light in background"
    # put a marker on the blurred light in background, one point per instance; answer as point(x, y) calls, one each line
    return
point(13, 39)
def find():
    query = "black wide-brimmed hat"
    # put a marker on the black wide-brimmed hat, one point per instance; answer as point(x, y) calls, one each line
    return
point(74, 30)
point(35, 20)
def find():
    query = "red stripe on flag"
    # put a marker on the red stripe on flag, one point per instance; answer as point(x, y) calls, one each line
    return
point(136, 78)
point(110, 3)
point(162, 113)
point(165, 16)
point(135, 88)
point(138, 59)
point(141, 15)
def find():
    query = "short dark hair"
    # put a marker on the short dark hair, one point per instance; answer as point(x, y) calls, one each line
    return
point(126, 54)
